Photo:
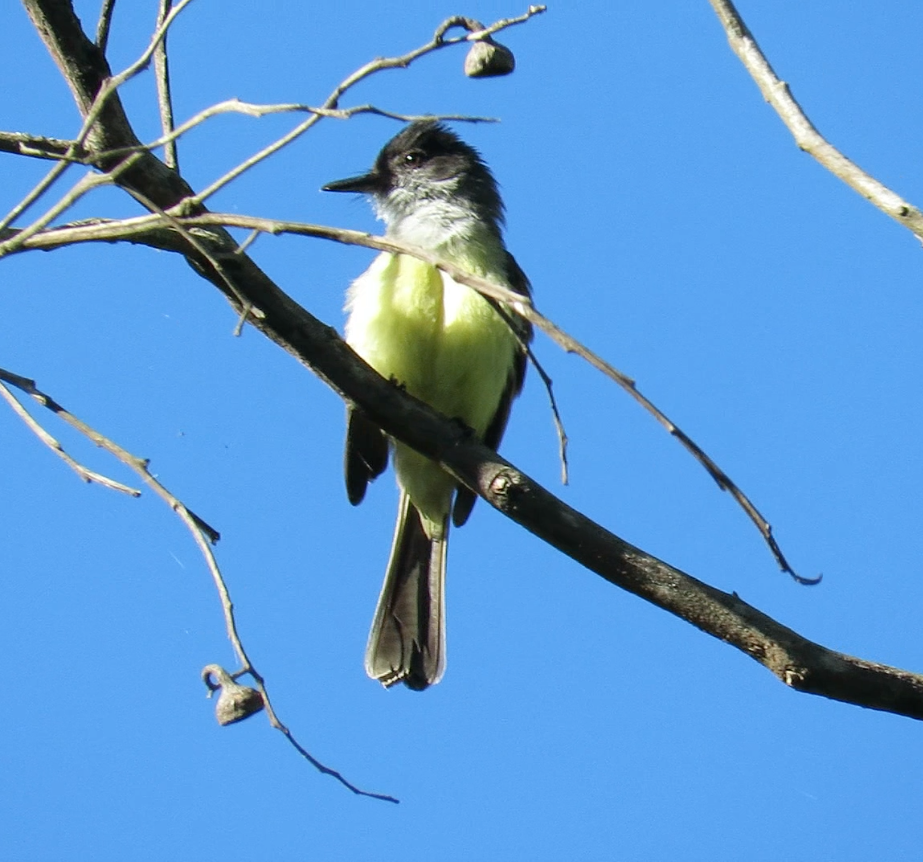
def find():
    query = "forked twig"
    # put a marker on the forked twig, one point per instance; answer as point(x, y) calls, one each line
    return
point(203, 534)
point(52, 443)
point(138, 465)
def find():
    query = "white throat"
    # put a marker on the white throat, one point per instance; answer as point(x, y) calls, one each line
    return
point(432, 224)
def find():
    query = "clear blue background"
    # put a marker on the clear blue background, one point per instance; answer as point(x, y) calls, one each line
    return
point(665, 218)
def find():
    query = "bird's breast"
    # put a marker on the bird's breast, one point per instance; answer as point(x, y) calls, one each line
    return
point(440, 339)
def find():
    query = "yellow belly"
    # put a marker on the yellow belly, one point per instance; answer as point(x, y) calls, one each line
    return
point(443, 342)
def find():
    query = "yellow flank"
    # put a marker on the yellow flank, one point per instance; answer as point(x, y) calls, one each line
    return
point(444, 343)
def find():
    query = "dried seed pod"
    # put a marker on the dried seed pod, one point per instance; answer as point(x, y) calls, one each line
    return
point(235, 702)
point(489, 59)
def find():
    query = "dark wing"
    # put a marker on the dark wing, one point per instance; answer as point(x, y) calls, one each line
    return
point(517, 280)
point(366, 454)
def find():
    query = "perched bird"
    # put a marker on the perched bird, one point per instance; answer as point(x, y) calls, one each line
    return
point(446, 345)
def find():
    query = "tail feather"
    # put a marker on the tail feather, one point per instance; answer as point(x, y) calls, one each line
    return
point(407, 640)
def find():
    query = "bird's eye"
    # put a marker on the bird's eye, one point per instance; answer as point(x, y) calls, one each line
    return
point(413, 159)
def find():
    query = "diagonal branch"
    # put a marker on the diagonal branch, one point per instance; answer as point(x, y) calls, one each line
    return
point(797, 661)
point(204, 535)
point(148, 230)
point(778, 94)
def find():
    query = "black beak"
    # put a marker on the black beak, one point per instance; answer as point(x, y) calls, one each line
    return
point(366, 184)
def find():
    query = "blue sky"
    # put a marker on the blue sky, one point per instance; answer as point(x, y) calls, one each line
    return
point(667, 220)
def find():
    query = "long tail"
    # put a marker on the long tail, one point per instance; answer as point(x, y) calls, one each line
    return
point(407, 641)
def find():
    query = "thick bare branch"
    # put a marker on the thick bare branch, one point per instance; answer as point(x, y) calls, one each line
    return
point(797, 661)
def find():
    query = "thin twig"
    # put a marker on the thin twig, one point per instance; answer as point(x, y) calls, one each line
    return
point(236, 106)
point(778, 94)
point(201, 248)
point(524, 337)
point(103, 25)
point(138, 465)
point(247, 667)
point(40, 147)
point(83, 186)
point(555, 413)
point(278, 725)
point(129, 228)
point(164, 99)
point(436, 43)
point(56, 171)
point(83, 472)
point(332, 101)
point(203, 534)
point(160, 32)
point(37, 146)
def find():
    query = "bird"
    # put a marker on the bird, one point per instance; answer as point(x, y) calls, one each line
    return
point(444, 343)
